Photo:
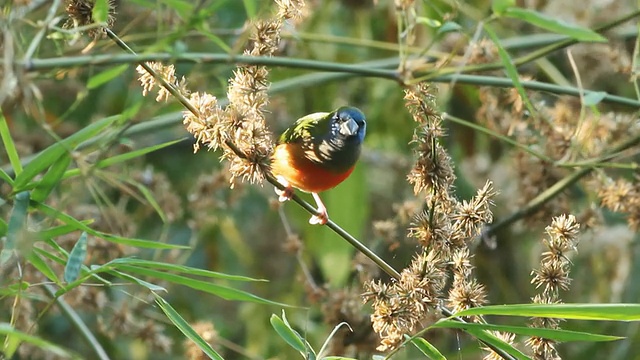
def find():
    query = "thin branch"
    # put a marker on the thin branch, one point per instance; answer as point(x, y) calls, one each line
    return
point(556, 188)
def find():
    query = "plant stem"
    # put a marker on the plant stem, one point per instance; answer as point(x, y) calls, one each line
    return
point(544, 197)
point(77, 322)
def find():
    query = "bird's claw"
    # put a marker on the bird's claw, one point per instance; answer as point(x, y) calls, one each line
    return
point(320, 219)
point(287, 193)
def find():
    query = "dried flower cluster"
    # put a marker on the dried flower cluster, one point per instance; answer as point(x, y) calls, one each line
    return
point(561, 132)
point(622, 196)
point(443, 230)
point(551, 277)
point(242, 122)
point(80, 13)
point(208, 332)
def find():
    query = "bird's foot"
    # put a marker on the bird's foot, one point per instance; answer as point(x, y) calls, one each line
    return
point(319, 219)
point(322, 217)
point(287, 193)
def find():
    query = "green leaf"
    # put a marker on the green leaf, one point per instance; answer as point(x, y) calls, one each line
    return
point(51, 179)
point(5, 177)
point(100, 12)
point(15, 226)
point(185, 328)
point(498, 343)
point(180, 269)
point(289, 335)
point(123, 157)
point(449, 26)
point(79, 225)
point(554, 25)
point(427, 349)
point(224, 292)
point(76, 258)
point(499, 6)
point(510, 69)
point(552, 334)
point(610, 312)
point(51, 154)
point(428, 22)
point(251, 8)
point(592, 98)
point(105, 76)
point(148, 195)
point(56, 231)
point(48, 347)
point(36, 261)
point(9, 145)
point(141, 243)
point(135, 280)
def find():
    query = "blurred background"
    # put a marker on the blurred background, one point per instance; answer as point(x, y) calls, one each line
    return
point(185, 198)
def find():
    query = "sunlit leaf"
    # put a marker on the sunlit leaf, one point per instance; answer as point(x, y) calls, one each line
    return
point(611, 312)
point(289, 335)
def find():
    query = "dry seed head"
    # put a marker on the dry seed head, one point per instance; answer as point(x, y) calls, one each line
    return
point(80, 13)
point(466, 294)
point(509, 338)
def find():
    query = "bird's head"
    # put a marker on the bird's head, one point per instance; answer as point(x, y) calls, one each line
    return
point(348, 123)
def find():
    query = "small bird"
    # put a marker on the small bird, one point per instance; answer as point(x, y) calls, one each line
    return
point(317, 153)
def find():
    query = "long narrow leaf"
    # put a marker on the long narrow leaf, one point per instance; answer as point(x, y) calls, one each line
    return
point(51, 179)
point(554, 25)
point(9, 145)
point(224, 292)
point(123, 157)
point(611, 312)
point(552, 334)
point(79, 225)
point(15, 226)
point(181, 269)
point(48, 347)
point(498, 343)
point(36, 261)
point(510, 69)
point(49, 155)
point(185, 328)
point(427, 349)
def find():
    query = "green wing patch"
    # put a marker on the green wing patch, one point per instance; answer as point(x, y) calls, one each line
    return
point(306, 127)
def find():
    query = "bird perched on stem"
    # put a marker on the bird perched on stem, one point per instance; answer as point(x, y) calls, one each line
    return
point(317, 153)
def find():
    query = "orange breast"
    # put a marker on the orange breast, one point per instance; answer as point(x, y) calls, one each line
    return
point(301, 173)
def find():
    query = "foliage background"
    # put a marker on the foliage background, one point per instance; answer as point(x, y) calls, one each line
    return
point(176, 197)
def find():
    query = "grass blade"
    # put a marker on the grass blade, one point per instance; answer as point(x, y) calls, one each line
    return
point(9, 145)
point(15, 226)
point(185, 328)
point(51, 154)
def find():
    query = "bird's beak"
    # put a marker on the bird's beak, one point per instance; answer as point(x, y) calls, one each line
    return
point(349, 128)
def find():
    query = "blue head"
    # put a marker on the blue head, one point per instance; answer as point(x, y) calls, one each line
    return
point(348, 124)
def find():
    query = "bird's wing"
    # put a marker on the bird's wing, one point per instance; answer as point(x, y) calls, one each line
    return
point(306, 127)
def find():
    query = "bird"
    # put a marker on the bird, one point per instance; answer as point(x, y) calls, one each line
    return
point(318, 152)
